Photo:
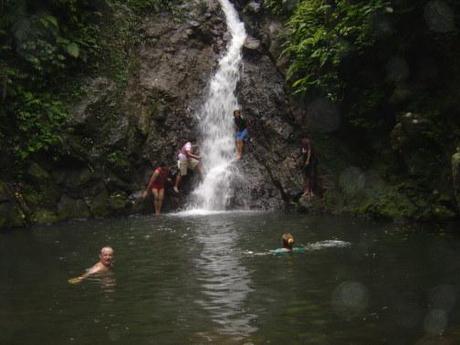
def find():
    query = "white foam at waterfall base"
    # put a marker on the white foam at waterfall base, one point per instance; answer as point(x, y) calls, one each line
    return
point(217, 144)
point(205, 212)
point(327, 244)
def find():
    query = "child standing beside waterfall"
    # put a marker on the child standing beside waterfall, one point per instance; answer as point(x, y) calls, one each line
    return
point(241, 132)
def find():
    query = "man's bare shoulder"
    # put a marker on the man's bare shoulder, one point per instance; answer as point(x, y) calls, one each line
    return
point(98, 268)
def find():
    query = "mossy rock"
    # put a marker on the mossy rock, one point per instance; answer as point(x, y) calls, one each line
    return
point(139, 205)
point(393, 205)
point(46, 195)
point(455, 163)
point(114, 183)
point(76, 180)
point(119, 164)
point(43, 216)
point(118, 201)
point(11, 216)
point(100, 205)
point(38, 173)
point(69, 208)
point(4, 195)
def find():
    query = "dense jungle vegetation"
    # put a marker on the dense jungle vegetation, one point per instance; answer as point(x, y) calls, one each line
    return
point(45, 46)
point(392, 68)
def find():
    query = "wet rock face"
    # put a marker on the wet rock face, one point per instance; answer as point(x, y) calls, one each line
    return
point(119, 132)
point(175, 62)
point(455, 164)
point(271, 174)
point(11, 213)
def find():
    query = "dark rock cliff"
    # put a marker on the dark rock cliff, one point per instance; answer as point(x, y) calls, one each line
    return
point(134, 114)
point(118, 130)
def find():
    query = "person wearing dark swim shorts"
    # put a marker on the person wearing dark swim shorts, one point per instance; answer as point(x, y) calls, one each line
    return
point(241, 132)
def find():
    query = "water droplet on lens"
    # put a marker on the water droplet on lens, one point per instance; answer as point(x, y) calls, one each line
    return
point(443, 297)
point(352, 180)
point(435, 322)
point(350, 299)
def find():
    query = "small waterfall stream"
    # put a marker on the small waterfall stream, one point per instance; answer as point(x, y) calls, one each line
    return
point(216, 121)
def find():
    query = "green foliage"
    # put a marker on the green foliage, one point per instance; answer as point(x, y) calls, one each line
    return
point(275, 6)
point(39, 120)
point(40, 42)
point(321, 35)
point(280, 7)
point(149, 5)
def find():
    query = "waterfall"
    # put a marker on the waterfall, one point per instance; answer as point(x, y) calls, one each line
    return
point(216, 121)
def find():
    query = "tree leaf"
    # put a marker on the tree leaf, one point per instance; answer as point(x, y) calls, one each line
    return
point(73, 49)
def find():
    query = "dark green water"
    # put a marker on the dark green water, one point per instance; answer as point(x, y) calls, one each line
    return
point(210, 280)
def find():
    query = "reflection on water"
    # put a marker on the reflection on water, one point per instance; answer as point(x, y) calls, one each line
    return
point(105, 280)
point(308, 247)
point(327, 244)
point(224, 281)
point(200, 280)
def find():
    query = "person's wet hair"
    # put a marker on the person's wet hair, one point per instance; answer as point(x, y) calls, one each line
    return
point(288, 240)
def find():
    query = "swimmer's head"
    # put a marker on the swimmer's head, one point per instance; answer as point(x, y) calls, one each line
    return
point(288, 240)
point(106, 256)
point(237, 112)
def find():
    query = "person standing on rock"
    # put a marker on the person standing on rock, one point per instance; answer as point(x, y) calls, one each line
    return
point(156, 185)
point(186, 159)
point(241, 132)
point(309, 163)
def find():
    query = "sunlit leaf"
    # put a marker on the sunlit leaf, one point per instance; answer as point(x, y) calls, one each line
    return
point(73, 49)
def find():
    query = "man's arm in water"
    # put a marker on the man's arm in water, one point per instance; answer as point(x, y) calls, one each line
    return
point(93, 270)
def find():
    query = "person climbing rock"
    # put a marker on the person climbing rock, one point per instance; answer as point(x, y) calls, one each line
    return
point(104, 265)
point(241, 132)
point(156, 185)
point(309, 162)
point(186, 159)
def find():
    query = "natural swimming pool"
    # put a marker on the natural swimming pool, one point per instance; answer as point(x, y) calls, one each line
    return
point(209, 279)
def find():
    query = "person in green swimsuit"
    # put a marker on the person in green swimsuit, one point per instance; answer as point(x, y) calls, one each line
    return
point(288, 241)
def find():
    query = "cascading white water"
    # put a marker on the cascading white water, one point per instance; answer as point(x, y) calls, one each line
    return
point(216, 121)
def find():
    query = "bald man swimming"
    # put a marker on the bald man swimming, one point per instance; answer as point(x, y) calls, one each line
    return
point(104, 265)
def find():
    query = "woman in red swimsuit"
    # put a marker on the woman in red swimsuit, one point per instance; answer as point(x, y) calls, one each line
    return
point(157, 186)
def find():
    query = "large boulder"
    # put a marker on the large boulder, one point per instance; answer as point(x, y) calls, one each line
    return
point(455, 163)
point(69, 208)
point(12, 214)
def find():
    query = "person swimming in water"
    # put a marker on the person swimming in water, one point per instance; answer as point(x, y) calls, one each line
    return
point(104, 265)
point(287, 241)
